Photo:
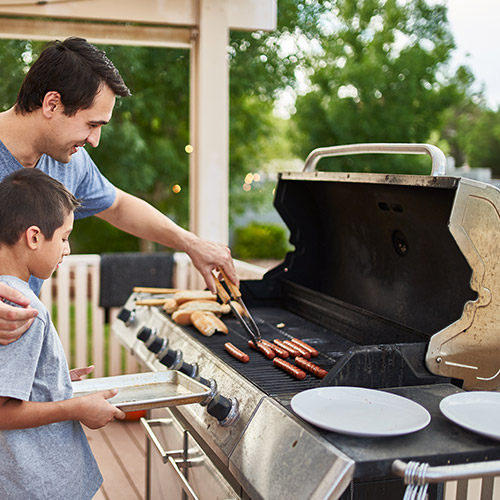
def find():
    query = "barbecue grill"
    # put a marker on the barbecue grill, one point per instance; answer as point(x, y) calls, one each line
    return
point(393, 279)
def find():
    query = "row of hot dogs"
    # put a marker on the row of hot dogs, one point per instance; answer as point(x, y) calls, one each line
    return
point(279, 351)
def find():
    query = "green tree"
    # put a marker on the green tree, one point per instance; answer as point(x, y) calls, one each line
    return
point(262, 66)
point(16, 57)
point(482, 142)
point(378, 71)
point(142, 149)
point(381, 75)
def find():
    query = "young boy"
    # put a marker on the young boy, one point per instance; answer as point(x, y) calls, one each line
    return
point(44, 453)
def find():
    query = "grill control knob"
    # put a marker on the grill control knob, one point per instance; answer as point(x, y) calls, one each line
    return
point(170, 358)
point(189, 370)
point(154, 343)
point(128, 317)
point(223, 409)
point(145, 333)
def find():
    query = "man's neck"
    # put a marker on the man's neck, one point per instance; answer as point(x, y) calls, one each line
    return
point(17, 134)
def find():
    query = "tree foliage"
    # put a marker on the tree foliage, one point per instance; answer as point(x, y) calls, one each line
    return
point(142, 149)
point(380, 76)
point(481, 142)
point(378, 70)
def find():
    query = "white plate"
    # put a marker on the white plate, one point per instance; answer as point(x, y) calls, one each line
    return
point(476, 411)
point(360, 412)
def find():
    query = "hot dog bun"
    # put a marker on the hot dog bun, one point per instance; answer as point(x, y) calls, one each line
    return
point(188, 295)
point(201, 305)
point(207, 323)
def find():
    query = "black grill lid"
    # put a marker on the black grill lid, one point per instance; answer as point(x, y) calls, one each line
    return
point(378, 242)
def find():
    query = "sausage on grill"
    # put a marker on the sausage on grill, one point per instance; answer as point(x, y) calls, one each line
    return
point(280, 351)
point(300, 350)
point(263, 348)
point(289, 368)
point(310, 367)
point(291, 350)
point(236, 353)
point(305, 346)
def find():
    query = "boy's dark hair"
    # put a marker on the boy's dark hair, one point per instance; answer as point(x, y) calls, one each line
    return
point(29, 197)
point(76, 69)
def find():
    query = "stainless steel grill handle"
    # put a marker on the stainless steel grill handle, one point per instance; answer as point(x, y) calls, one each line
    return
point(168, 457)
point(437, 156)
point(447, 472)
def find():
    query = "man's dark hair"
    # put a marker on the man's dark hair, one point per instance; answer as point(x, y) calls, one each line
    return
point(76, 69)
point(29, 197)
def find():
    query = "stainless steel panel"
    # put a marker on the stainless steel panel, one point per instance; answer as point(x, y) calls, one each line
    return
point(469, 348)
point(278, 457)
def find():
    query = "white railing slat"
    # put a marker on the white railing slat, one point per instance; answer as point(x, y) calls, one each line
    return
point(98, 319)
point(81, 311)
point(115, 349)
point(63, 302)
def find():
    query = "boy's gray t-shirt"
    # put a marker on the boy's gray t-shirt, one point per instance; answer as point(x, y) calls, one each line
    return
point(50, 462)
point(80, 176)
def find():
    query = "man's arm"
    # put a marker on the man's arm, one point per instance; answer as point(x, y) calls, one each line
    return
point(137, 217)
point(14, 321)
point(93, 410)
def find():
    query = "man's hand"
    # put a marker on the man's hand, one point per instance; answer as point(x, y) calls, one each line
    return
point(14, 321)
point(95, 411)
point(207, 255)
point(78, 373)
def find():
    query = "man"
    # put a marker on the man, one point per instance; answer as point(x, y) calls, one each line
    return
point(66, 97)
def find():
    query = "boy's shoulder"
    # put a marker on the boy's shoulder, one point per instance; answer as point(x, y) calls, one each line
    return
point(23, 287)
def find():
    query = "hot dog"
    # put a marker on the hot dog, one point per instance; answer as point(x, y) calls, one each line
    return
point(263, 348)
point(300, 350)
point(291, 350)
point(306, 346)
point(236, 353)
point(282, 353)
point(289, 368)
point(311, 367)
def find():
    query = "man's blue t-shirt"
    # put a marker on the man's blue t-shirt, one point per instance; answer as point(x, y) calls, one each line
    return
point(49, 462)
point(80, 176)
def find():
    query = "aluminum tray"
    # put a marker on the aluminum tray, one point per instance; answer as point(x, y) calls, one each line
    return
point(145, 391)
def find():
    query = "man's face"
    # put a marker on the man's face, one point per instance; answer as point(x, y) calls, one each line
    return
point(66, 134)
point(50, 253)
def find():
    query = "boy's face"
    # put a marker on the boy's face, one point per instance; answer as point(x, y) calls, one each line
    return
point(51, 252)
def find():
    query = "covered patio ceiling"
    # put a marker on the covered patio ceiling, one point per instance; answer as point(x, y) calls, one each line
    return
point(202, 26)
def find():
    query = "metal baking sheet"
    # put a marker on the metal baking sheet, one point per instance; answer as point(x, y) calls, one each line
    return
point(145, 391)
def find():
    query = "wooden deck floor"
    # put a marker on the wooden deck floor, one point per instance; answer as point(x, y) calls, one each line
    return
point(120, 451)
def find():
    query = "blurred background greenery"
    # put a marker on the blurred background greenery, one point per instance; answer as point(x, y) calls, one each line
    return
point(333, 72)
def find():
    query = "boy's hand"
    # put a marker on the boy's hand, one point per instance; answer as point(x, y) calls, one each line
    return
point(14, 321)
point(96, 411)
point(78, 373)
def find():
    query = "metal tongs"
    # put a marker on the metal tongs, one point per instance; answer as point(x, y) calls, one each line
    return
point(247, 322)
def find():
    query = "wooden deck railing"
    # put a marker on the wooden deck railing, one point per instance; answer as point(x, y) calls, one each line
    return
point(72, 296)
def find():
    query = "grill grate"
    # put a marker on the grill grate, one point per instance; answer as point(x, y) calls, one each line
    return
point(260, 370)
